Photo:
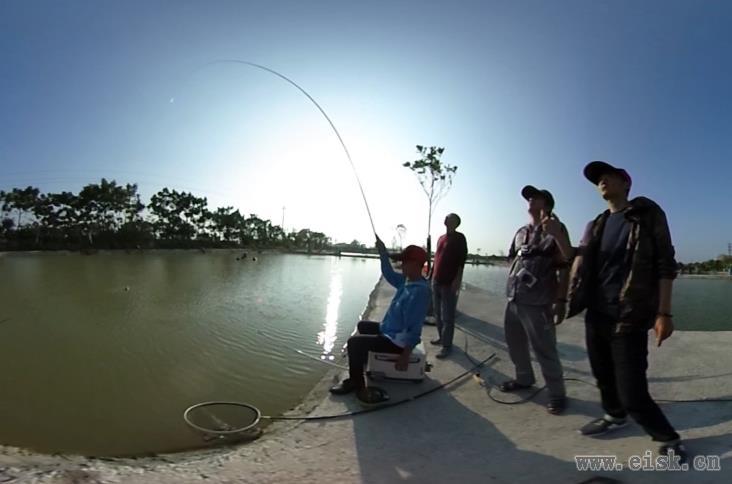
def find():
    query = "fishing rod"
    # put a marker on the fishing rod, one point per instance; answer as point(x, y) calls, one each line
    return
point(317, 105)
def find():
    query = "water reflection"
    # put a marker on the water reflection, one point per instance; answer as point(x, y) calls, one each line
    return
point(192, 328)
point(327, 337)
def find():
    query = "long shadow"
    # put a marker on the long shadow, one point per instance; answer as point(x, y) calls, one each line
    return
point(491, 377)
point(664, 379)
point(493, 334)
point(439, 440)
point(683, 415)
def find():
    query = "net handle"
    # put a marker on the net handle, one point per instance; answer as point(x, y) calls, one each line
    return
point(186, 417)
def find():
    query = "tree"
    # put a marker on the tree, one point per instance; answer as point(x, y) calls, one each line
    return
point(20, 200)
point(435, 177)
point(110, 215)
point(103, 207)
point(8, 224)
point(179, 215)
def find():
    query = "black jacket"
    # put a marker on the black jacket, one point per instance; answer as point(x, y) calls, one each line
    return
point(649, 258)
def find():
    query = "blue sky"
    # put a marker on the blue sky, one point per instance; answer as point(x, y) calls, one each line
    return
point(518, 92)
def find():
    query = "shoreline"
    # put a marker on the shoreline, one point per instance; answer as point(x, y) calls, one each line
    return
point(711, 275)
point(530, 446)
point(39, 464)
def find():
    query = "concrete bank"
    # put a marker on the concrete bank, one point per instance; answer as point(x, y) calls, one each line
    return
point(458, 435)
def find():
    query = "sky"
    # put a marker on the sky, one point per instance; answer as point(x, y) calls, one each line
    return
point(518, 92)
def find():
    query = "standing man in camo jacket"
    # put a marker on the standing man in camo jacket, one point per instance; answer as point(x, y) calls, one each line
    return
point(623, 275)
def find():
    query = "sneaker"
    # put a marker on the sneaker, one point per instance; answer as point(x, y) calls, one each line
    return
point(436, 342)
point(603, 425)
point(444, 353)
point(343, 388)
point(556, 406)
point(674, 449)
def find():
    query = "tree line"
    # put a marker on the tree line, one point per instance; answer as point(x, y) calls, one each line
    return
point(723, 263)
point(107, 215)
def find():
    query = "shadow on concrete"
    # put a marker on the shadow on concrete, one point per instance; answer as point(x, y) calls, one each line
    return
point(440, 440)
point(671, 379)
point(490, 377)
point(493, 334)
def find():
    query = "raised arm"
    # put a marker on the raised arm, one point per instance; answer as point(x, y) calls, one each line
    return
point(391, 276)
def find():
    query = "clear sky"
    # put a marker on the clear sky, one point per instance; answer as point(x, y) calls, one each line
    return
point(517, 91)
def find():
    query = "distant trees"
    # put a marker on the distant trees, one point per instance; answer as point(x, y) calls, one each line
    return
point(19, 201)
point(720, 264)
point(110, 215)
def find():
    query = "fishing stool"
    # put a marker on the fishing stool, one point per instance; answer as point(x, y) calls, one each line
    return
point(381, 365)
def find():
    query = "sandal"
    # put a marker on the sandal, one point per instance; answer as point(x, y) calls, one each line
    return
point(372, 395)
point(512, 386)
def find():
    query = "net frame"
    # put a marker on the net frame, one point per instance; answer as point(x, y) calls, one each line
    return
point(239, 430)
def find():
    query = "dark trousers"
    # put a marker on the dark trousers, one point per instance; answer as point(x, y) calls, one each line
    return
point(619, 362)
point(369, 338)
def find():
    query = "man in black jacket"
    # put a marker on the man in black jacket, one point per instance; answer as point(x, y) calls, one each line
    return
point(623, 276)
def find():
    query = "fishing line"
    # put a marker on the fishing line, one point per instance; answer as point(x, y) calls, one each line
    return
point(301, 352)
point(322, 111)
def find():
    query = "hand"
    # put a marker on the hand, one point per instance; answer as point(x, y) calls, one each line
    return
point(402, 363)
point(550, 224)
point(664, 327)
point(559, 312)
point(380, 246)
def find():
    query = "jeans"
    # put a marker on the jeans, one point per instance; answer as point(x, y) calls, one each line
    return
point(369, 338)
point(619, 362)
point(444, 300)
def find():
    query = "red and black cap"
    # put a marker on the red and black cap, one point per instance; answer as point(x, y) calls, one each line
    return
point(413, 253)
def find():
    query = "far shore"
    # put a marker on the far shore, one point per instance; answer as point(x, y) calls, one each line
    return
point(232, 250)
point(491, 261)
point(707, 275)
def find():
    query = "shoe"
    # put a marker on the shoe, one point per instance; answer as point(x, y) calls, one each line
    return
point(343, 388)
point(512, 386)
point(675, 449)
point(372, 395)
point(556, 406)
point(436, 342)
point(444, 353)
point(603, 425)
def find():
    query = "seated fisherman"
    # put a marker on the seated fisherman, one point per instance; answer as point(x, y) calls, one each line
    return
point(401, 328)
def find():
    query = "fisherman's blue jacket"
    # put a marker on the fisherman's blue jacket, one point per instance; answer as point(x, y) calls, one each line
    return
point(403, 321)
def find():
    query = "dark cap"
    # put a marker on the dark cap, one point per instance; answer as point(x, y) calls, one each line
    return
point(530, 191)
point(595, 169)
point(413, 253)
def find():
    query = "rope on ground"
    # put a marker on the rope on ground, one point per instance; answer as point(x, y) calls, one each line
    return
point(385, 405)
